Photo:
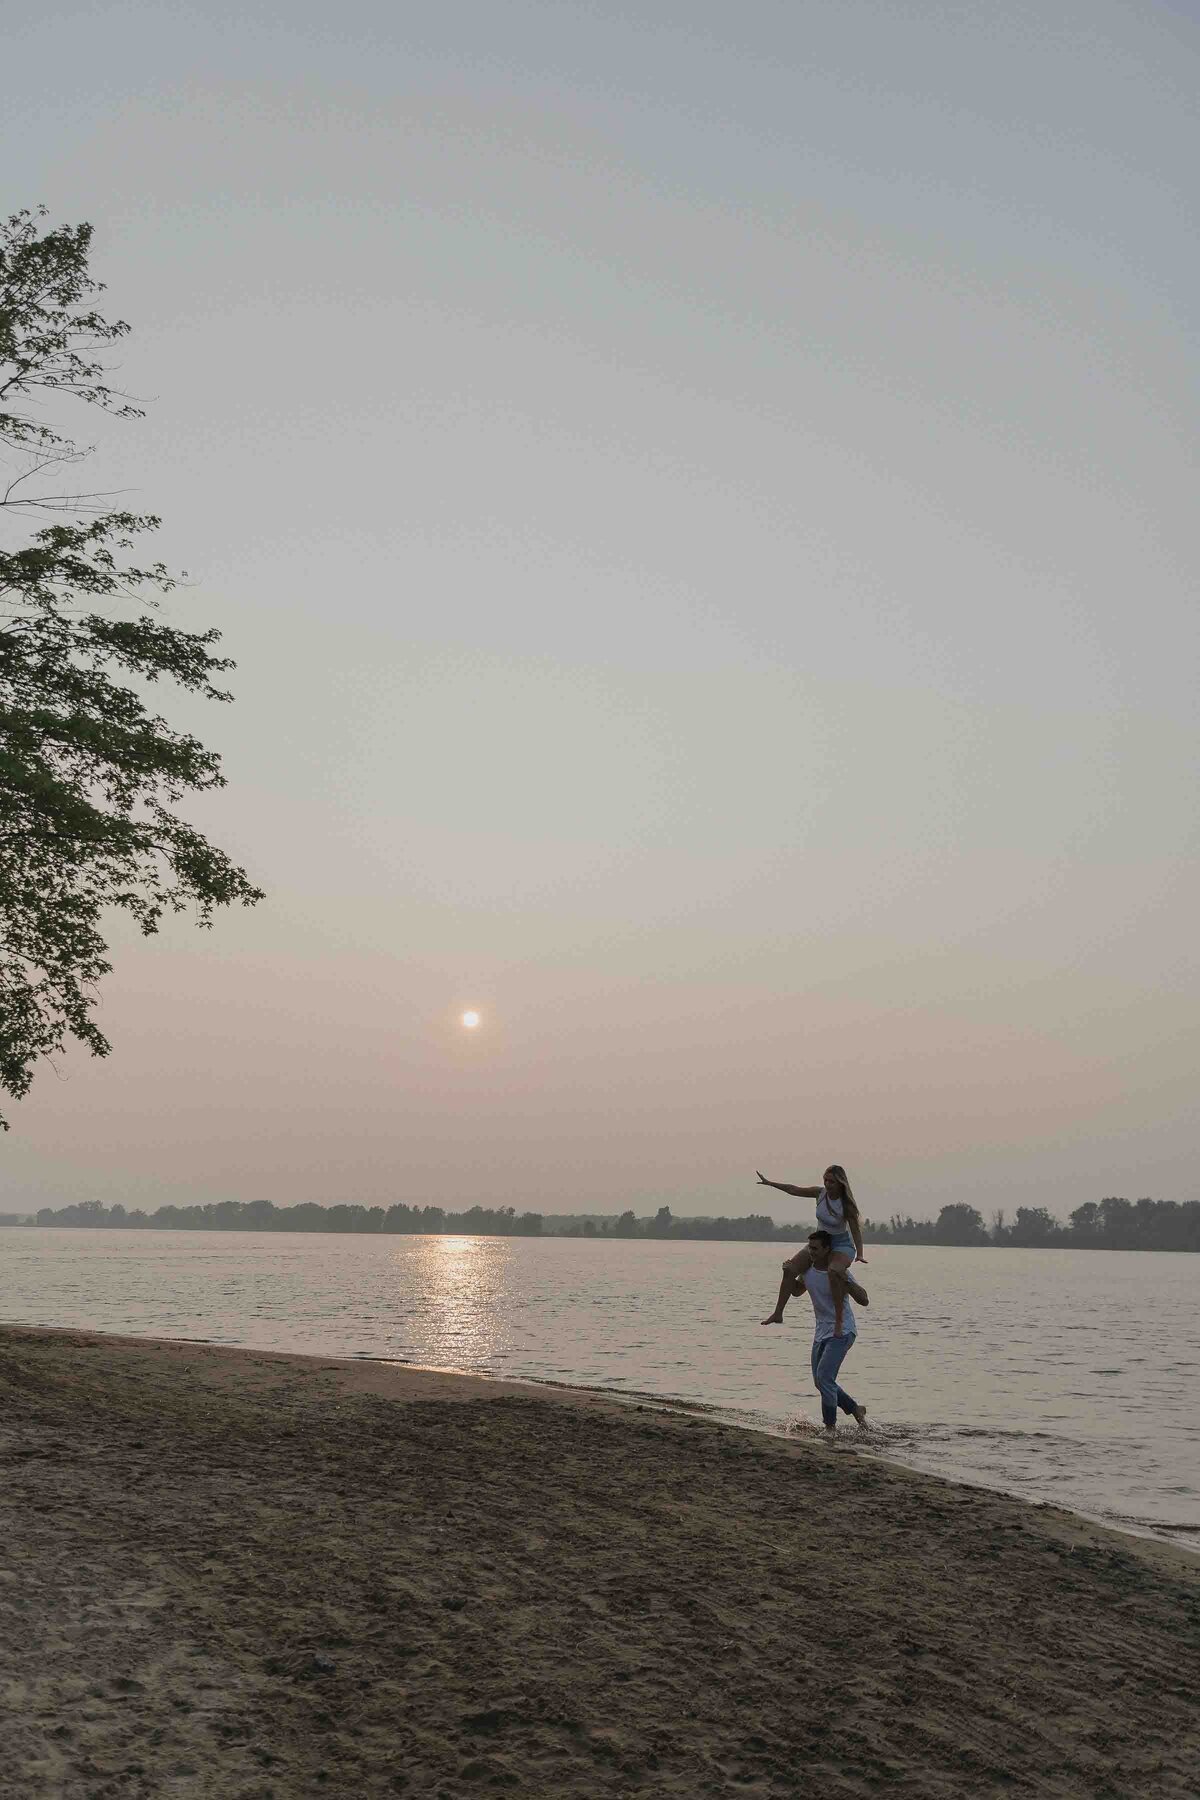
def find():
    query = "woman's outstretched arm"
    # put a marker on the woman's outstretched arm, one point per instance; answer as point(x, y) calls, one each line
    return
point(785, 1187)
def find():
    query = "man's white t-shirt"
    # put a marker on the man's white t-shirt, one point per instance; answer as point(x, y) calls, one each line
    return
point(817, 1285)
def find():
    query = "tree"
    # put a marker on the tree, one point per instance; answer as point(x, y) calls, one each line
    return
point(1034, 1225)
point(1085, 1222)
point(89, 777)
point(959, 1224)
point(1114, 1221)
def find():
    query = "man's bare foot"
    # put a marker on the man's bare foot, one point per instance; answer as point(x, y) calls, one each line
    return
point(775, 1318)
point(830, 1432)
point(860, 1415)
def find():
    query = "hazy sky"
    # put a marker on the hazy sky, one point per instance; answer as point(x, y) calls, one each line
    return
point(703, 500)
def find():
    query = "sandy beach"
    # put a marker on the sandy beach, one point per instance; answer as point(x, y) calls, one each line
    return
point(242, 1575)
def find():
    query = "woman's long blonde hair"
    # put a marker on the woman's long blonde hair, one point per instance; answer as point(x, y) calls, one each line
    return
point(849, 1203)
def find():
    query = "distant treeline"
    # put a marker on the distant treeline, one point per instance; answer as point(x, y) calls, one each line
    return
point(479, 1221)
point(264, 1215)
point(1110, 1224)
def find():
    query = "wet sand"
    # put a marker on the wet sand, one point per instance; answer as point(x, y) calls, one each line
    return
point(245, 1576)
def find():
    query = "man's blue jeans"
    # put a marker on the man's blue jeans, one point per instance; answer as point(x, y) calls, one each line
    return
point(828, 1355)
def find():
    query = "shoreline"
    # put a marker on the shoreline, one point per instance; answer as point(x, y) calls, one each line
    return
point(235, 1574)
point(482, 1385)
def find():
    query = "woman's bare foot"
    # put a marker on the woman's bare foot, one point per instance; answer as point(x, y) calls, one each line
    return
point(792, 1284)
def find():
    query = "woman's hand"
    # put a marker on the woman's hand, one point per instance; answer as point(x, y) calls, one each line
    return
point(860, 1257)
point(763, 1178)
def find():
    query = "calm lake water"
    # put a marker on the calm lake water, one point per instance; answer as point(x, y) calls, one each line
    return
point(1065, 1376)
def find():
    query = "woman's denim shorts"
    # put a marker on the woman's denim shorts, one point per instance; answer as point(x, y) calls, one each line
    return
point(843, 1245)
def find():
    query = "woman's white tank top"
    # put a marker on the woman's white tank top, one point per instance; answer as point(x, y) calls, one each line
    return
point(831, 1215)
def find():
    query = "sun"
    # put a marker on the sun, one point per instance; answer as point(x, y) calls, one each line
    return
point(471, 1020)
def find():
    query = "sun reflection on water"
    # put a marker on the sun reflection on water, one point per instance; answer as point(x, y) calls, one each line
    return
point(455, 1298)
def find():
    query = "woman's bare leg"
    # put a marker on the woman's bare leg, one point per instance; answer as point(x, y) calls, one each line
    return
point(793, 1273)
